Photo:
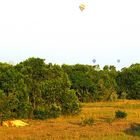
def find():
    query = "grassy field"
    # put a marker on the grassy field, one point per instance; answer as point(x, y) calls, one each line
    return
point(105, 126)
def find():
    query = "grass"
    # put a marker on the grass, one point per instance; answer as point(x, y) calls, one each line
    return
point(105, 126)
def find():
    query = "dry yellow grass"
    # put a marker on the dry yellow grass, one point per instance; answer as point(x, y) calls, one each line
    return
point(70, 128)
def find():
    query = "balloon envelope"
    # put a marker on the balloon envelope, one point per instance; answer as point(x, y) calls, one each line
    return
point(118, 60)
point(82, 7)
point(94, 60)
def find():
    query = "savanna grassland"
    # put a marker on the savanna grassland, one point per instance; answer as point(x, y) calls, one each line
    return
point(103, 127)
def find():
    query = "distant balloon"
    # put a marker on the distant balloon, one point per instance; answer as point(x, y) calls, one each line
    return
point(82, 7)
point(94, 60)
point(118, 60)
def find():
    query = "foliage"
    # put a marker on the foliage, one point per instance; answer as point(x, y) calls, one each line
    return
point(40, 113)
point(54, 111)
point(8, 105)
point(87, 121)
point(129, 81)
point(123, 95)
point(70, 128)
point(70, 103)
point(113, 96)
point(120, 114)
point(34, 89)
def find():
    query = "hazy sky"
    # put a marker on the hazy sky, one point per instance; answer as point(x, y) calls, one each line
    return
point(59, 32)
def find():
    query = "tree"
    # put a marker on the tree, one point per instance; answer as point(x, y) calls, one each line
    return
point(7, 106)
point(12, 84)
point(129, 81)
point(34, 70)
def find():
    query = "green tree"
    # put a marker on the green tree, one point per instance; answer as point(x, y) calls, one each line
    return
point(12, 83)
point(34, 70)
point(129, 81)
point(7, 106)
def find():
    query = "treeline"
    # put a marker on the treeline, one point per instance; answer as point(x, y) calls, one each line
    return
point(93, 84)
point(34, 89)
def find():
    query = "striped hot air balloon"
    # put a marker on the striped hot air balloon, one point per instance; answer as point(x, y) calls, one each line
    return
point(82, 7)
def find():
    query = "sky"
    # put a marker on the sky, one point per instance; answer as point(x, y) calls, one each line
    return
point(57, 31)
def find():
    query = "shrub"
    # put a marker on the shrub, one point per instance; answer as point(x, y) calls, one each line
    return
point(88, 121)
point(40, 113)
point(113, 96)
point(120, 114)
point(70, 103)
point(123, 95)
point(23, 110)
point(54, 111)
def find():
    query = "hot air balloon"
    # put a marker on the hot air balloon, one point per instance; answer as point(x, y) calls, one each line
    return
point(118, 60)
point(94, 60)
point(82, 7)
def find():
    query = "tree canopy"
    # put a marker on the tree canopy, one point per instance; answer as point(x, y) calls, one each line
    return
point(34, 89)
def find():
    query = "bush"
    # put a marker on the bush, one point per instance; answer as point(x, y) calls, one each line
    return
point(70, 103)
point(113, 96)
point(54, 111)
point(87, 121)
point(40, 113)
point(23, 110)
point(123, 95)
point(120, 114)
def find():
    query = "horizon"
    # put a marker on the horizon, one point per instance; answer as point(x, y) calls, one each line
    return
point(101, 68)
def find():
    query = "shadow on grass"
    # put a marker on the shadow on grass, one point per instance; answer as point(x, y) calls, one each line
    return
point(134, 130)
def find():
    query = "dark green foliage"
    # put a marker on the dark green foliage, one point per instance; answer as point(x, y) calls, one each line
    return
point(129, 81)
point(34, 89)
point(51, 111)
point(54, 111)
point(91, 83)
point(123, 95)
point(40, 113)
point(120, 114)
point(70, 103)
point(133, 130)
point(8, 105)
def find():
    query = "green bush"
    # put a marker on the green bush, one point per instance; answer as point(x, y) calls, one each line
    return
point(54, 111)
point(120, 114)
point(70, 103)
point(123, 95)
point(113, 96)
point(23, 110)
point(88, 121)
point(40, 113)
